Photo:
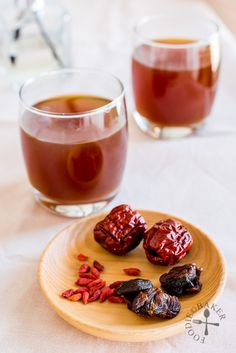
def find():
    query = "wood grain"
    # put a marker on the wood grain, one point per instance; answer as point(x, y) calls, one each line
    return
point(58, 270)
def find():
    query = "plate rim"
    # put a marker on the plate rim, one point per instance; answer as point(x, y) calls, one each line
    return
point(106, 333)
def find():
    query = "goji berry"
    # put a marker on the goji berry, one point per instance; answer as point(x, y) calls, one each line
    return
point(98, 286)
point(95, 296)
point(67, 293)
point(132, 271)
point(98, 266)
point(85, 297)
point(75, 297)
point(95, 272)
point(82, 257)
point(87, 275)
point(103, 295)
point(81, 290)
point(83, 281)
point(110, 291)
point(115, 284)
point(93, 283)
point(84, 268)
point(115, 299)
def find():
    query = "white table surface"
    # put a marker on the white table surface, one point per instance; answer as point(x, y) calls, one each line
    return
point(194, 178)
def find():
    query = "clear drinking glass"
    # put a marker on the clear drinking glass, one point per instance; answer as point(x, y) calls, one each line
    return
point(175, 67)
point(39, 37)
point(73, 125)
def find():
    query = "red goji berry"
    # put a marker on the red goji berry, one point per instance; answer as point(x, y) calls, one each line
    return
point(83, 281)
point(115, 284)
point(110, 291)
point(132, 271)
point(67, 293)
point(103, 295)
point(87, 275)
point(82, 257)
point(98, 266)
point(81, 290)
point(115, 299)
point(94, 283)
point(85, 297)
point(95, 272)
point(98, 286)
point(84, 268)
point(95, 296)
point(75, 297)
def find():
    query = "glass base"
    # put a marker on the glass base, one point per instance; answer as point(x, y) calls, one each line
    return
point(70, 210)
point(164, 132)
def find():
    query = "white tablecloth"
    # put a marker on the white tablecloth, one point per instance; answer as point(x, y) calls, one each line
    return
point(194, 178)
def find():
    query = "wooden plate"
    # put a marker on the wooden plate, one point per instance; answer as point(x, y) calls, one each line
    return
point(58, 270)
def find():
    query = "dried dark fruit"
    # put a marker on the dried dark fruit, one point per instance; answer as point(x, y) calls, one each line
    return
point(132, 271)
point(133, 286)
point(121, 230)
point(155, 303)
point(167, 242)
point(130, 289)
point(182, 280)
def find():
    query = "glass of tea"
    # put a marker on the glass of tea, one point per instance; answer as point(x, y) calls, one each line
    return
point(175, 67)
point(73, 126)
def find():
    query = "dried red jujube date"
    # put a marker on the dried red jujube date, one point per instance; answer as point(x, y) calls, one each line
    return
point(167, 242)
point(121, 230)
point(182, 280)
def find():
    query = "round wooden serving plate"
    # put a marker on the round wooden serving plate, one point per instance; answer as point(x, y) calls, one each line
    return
point(58, 270)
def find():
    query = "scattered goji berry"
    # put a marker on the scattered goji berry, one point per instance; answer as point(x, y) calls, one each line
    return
point(95, 296)
point(87, 275)
point(132, 271)
point(93, 283)
point(81, 290)
point(84, 268)
point(115, 299)
point(83, 281)
point(98, 266)
point(115, 284)
point(95, 272)
point(110, 291)
point(85, 297)
point(103, 295)
point(75, 297)
point(98, 286)
point(67, 293)
point(82, 257)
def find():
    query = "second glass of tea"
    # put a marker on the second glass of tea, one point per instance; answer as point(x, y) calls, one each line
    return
point(73, 126)
point(175, 67)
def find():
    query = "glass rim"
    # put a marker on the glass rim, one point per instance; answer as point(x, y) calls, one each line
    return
point(86, 113)
point(199, 42)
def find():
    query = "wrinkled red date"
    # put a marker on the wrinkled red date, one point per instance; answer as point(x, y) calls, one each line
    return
point(167, 242)
point(121, 230)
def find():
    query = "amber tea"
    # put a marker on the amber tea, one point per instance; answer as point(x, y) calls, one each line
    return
point(70, 171)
